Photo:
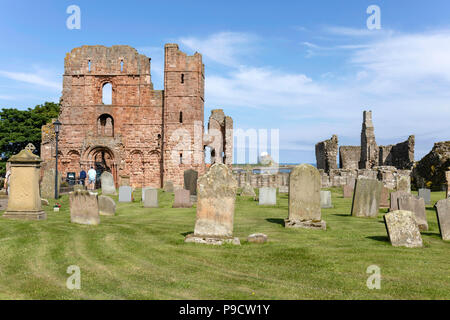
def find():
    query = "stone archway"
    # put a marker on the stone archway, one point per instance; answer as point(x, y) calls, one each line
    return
point(102, 159)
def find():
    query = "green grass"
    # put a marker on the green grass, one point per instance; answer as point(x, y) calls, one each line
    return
point(140, 254)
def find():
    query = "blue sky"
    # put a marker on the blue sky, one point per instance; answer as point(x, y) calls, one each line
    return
point(307, 68)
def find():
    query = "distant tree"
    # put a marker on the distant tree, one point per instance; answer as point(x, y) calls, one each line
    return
point(20, 127)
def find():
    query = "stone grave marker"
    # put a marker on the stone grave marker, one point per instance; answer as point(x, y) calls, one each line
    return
point(107, 182)
point(394, 199)
point(404, 184)
point(168, 186)
point(366, 198)
point(190, 181)
point(304, 198)
point(402, 229)
point(443, 216)
point(125, 194)
point(426, 195)
point(106, 206)
point(267, 196)
point(84, 207)
point(348, 191)
point(182, 199)
point(417, 206)
point(216, 194)
point(384, 198)
point(247, 190)
point(325, 200)
point(151, 198)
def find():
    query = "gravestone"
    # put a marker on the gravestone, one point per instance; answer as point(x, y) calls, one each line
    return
point(78, 187)
point(151, 198)
point(417, 206)
point(404, 184)
point(84, 207)
point(48, 182)
point(168, 186)
point(426, 195)
point(182, 199)
point(190, 181)
point(402, 229)
point(267, 196)
point(366, 198)
point(325, 200)
point(44, 202)
point(304, 198)
point(106, 206)
point(257, 238)
point(384, 198)
point(125, 194)
point(247, 190)
point(107, 182)
point(24, 201)
point(443, 216)
point(216, 194)
point(348, 191)
point(3, 204)
point(283, 189)
point(447, 178)
point(394, 199)
point(143, 192)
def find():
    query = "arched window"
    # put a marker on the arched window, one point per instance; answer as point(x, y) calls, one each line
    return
point(105, 126)
point(121, 65)
point(107, 93)
point(182, 78)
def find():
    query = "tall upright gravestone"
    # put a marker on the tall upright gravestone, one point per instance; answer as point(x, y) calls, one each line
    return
point(216, 192)
point(417, 206)
point(384, 198)
point(426, 195)
point(48, 180)
point(366, 198)
point(108, 185)
point(150, 198)
point(393, 206)
point(190, 181)
point(24, 197)
point(447, 178)
point(304, 198)
point(443, 216)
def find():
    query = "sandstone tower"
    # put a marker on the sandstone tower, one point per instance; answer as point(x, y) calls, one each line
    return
point(369, 149)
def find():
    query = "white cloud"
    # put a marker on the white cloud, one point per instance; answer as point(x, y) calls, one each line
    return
point(32, 78)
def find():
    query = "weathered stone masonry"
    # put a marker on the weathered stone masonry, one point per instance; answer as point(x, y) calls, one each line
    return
point(148, 135)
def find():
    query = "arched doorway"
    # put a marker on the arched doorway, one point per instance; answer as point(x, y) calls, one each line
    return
point(102, 159)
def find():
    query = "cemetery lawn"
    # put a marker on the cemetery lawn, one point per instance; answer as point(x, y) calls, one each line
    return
point(140, 254)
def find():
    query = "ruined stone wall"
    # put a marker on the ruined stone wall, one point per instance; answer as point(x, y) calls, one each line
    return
point(326, 154)
point(431, 169)
point(369, 150)
point(220, 137)
point(349, 157)
point(400, 155)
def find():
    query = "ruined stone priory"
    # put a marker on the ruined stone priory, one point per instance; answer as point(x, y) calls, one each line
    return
point(114, 120)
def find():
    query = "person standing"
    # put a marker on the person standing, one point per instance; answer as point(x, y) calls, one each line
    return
point(82, 177)
point(7, 177)
point(92, 175)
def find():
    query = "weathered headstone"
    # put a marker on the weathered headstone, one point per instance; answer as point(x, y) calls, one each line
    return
point(366, 198)
point(182, 199)
point(283, 189)
point(106, 206)
point(216, 191)
point(107, 182)
point(443, 216)
point(125, 194)
point(3, 204)
point(267, 196)
point(257, 238)
point(84, 207)
point(151, 198)
point(384, 198)
point(168, 186)
point(447, 178)
point(143, 192)
point(247, 190)
point(394, 199)
point(304, 198)
point(348, 191)
point(24, 201)
point(402, 229)
point(417, 206)
point(426, 195)
point(404, 184)
point(190, 181)
point(44, 202)
point(48, 182)
point(325, 200)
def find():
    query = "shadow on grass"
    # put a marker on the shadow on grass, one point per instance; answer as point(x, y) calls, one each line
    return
point(184, 234)
point(436, 235)
point(379, 238)
point(342, 214)
point(276, 221)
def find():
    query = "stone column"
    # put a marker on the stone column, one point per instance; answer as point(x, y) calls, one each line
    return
point(24, 198)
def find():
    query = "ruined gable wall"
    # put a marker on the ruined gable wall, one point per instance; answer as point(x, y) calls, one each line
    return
point(326, 154)
point(349, 157)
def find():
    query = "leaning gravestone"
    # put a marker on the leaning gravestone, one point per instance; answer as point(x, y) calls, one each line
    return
point(216, 191)
point(182, 199)
point(443, 216)
point(447, 179)
point(426, 195)
point(348, 191)
point(84, 208)
point(247, 190)
point(151, 198)
point(402, 229)
point(304, 198)
point(404, 184)
point(190, 181)
point(106, 206)
point(417, 206)
point(394, 199)
point(325, 200)
point(366, 198)
point(107, 181)
point(384, 198)
point(125, 194)
point(267, 196)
